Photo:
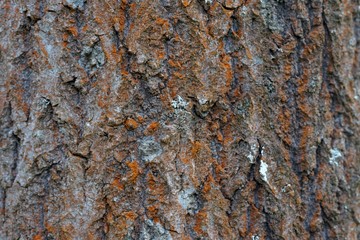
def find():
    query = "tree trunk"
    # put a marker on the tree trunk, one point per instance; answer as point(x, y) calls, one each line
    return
point(180, 119)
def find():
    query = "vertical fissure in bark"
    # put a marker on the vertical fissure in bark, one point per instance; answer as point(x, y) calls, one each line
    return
point(3, 203)
point(16, 155)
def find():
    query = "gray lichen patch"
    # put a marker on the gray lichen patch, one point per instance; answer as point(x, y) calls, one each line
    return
point(271, 18)
point(188, 200)
point(75, 4)
point(92, 57)
point(149, 149)
point(151, 230)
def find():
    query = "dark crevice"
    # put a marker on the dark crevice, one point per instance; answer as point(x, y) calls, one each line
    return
point(270, 234)
point(248, 219)
point(116, 39)
point(3, 203)
point(311, 201)
point(127, 23)
point(103, 220)
point(16, 151)
point(325, 229)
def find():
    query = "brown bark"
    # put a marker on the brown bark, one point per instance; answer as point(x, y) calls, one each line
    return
point(179, 119)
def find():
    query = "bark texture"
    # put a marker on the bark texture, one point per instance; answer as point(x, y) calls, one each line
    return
point(179, 119)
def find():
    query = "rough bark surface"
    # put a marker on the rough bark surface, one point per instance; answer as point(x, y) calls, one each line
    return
point(179, 119)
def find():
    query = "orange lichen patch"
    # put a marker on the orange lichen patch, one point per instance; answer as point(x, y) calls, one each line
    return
point(287, 70)
point(135, 170)
point(319, 195)
point(207, 185)
point(163, 22)
point(49, 228)
point(278, 39)
point(153, 212)
point(37, 237)
point(160, 54)
point(306, 110)
point(173, 63)
point(303, 83)
point(102, 102)
point(214, 126)
point(130, 215)
point(73, 30)
point(164, 98)
point(228, 70)
point(185, 160)
point(195, 149)
point(152, 182)
point(131, 124)
point(228, 140)
point(42, 48)
point(243, 227)
point(285, 124)
point(308, 50)
point(18, 95)
point(99, 20)
point(140, 119)
point(153, 127)
point(65, 39)
point(317, 34)
point(248, 53)
point(315, 222)
point(117, 184)
point(219, 136)
point(186, 2)
point(289, 47)
point(172, 85)
point(200, 220)
point(85, 28)
point(179, 75)
point(90, 236)
point(219, 169)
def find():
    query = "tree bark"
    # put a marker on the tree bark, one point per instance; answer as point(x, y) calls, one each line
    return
point(179, 119)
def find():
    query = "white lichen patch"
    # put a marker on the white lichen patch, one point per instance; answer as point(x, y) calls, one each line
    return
point(335, 154)
point(284, 188)
point(263, 170)
point(255, 237)
point(208, 1)
point(202, 100)
point(179, 103)
point(251, 157)
point(253, 152)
